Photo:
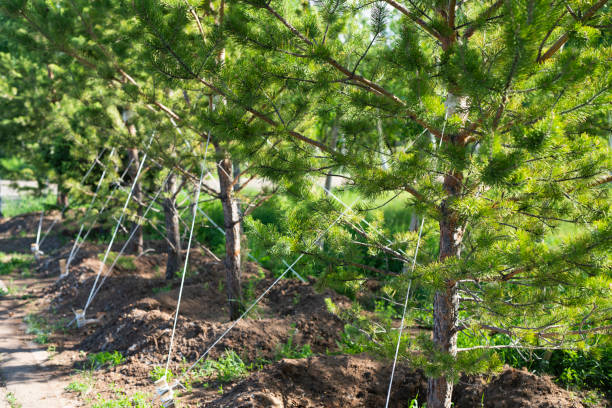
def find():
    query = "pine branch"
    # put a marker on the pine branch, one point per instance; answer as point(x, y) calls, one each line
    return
point(370, 85)
point(563, 39)
point(486, 15)
point(417, 20)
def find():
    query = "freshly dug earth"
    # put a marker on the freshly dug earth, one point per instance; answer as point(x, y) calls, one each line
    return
point(360, 381)
point(136, 308)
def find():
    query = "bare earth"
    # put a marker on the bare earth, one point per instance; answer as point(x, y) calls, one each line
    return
point(26, 370)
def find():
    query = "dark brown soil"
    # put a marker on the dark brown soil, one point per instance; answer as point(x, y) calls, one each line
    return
point(360, 381)
point(136, 308)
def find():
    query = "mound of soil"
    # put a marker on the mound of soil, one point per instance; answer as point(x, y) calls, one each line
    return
point(136, 307)
point(18, 233)
point(360, 381)
point(144, 326)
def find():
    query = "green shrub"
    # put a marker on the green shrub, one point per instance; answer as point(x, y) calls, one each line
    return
point(103, 358)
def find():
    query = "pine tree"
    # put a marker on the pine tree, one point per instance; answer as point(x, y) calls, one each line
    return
point(504, 88)
point(483, 109)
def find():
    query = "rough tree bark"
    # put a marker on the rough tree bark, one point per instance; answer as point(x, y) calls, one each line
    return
point(446, 301)
point(231, 217)
point(172, 228)
point(138, 240)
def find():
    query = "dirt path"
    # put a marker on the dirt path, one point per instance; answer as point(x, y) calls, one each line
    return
point(28, 376)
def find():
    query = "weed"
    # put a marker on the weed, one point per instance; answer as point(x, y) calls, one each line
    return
point(12, 401)
point(228, 367)
point(103, 358)
point(39, 327)
point(51, 349)
point(13, 262)
point(123, 262)
point(289, 350)
point(79, 387)
point(166, 288)
point(414, 403)
point(158, 372)
point(121, 400)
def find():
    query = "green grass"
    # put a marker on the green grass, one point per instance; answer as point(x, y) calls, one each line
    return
point(122, 400)
point(166, 288)
point(157, 373)
point(39, 327)
point(227, 368)
point(12, 401)
point(26, 204)
point(104, 358)
point(15, 262)
point(80, 387)
point(290, 350)
point(124, 262)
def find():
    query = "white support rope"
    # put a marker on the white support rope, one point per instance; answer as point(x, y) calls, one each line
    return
point(77, 245)
point(40, 221)
point(96, 160)
point(401, 330)
point(246, 312)
point(110, 244)
point(180, 294)
point(249, 254)
point(128, 240)
point(363, 220)
point(399, 338)
point(91, 203)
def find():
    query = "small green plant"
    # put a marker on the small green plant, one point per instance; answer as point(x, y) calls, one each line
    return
point(221, 286)
point(166, 288)
point(414, 403)
point(228, 367)
point(158, 372)
point(124, 262)
point(39, 327)
point(14, 262)
point(79, 387)
point(331, 306)
point(103, 358)
point(289, 350)
point(12, 401)
point(122, 400)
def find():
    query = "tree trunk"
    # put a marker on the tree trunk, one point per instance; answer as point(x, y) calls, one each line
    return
point(138, 240)
point(172, 228)
point(446, 302)
point(231, 217)
point(333, 144)
point(62, 199)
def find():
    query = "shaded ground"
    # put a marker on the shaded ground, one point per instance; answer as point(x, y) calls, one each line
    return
point(29, 375)
point(136, 309)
